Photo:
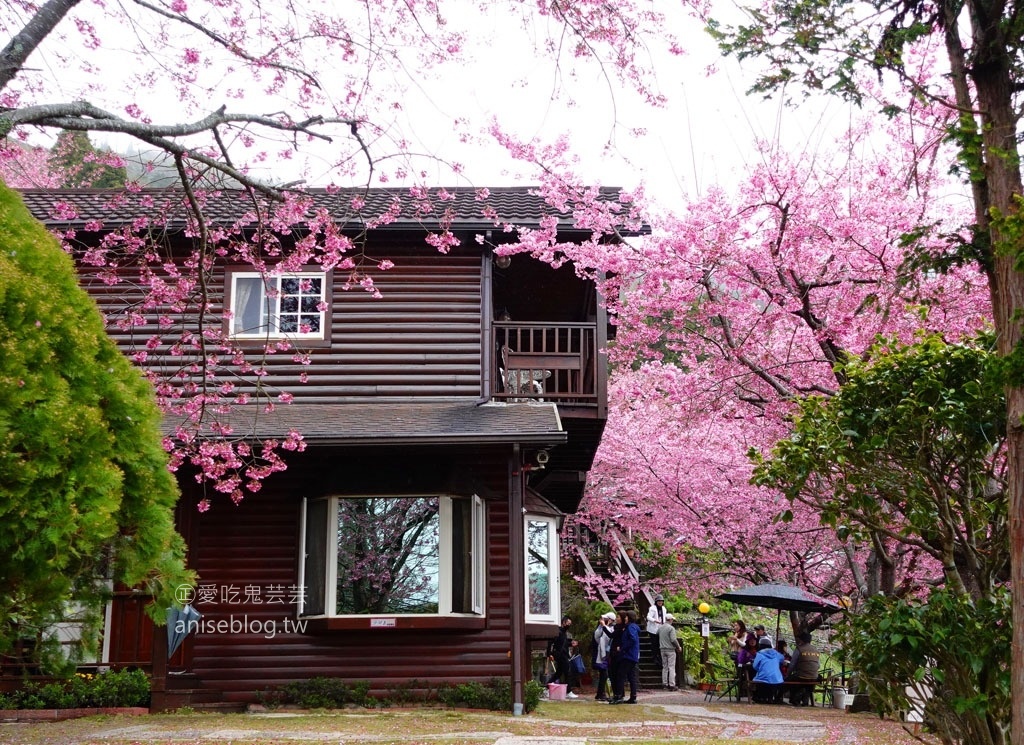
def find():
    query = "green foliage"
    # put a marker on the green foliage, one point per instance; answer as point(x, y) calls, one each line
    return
point(654, 560)
point(911, 449)
point(584, 614)
point(87, 493)
point(955, 650)
point(81, 165)
point(117, 688)
point(495, 695)
point(334, 693)
point(321, 693)
point(325, 693)
point(693, 650)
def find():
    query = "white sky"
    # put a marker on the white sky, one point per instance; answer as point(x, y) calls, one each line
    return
point(705, 134)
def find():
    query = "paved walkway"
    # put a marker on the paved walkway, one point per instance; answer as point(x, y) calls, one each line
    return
point(736, 722)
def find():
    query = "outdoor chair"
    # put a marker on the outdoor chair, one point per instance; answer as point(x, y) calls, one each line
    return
point(720, 682)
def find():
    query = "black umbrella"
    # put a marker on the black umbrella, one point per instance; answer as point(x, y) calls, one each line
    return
point(781, 597)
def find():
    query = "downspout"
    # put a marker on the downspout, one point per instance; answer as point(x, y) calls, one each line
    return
point(601, 371)
point(486, 324)
point(517, 577)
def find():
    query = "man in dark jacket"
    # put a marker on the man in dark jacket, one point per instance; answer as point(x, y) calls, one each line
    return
point(803, 668)
point(628, 661)
point(560, 649)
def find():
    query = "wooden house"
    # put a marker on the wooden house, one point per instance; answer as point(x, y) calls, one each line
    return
point(449, 425)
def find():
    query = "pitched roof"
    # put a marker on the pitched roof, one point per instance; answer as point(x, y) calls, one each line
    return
point(404, 422)
point(465, 208)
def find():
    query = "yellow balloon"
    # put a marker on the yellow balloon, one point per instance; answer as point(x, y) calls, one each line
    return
point(704, 608)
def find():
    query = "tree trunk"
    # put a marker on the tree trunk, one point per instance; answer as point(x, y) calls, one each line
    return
point(1002, 174)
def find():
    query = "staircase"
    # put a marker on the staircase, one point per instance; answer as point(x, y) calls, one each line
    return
point(608, 560)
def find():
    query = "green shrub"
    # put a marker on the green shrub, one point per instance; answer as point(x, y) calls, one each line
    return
point(494, 695)
point(322, 693)
point(333, 693)
point(410, 691)
point(111, 689)
point(531, 695)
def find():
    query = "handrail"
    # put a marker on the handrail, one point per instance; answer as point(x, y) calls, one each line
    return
point(643, 592)
point(589, 571)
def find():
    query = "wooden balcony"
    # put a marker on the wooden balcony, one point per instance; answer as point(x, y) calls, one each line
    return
point(556, 362)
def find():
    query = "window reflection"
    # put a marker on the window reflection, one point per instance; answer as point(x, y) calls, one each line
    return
point(538, 566)
point(388, 555)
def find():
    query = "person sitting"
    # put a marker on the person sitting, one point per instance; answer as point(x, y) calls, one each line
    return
point(803, 668)
point(782, 648)
point(761, 633)
point(745, 663)
point(767, 673)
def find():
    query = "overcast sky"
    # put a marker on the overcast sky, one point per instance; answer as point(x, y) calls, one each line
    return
point(703, 136)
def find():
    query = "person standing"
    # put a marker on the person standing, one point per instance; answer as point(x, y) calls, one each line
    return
point(738, 639)
point(615, 656)
point(668, 643)
point(655, 618)
point(602, 652)
point(560, 649)
point(628, 661)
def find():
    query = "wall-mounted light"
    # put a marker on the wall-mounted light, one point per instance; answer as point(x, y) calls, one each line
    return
point(502, 261)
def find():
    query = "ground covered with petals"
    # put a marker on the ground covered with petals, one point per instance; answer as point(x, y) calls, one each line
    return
point(661, 718)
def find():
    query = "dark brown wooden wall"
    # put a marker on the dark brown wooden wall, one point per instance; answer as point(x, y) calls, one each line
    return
point(422, 338)
point(257, 544)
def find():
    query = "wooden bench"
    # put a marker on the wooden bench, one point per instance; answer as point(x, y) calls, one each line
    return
point(820, 686)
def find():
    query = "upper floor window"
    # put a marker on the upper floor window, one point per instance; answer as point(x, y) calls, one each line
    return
point(291, 305)
point(421, 555)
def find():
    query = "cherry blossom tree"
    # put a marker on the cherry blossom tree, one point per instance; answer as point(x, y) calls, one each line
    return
point(743, 303)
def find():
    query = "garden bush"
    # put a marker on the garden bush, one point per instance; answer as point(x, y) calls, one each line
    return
point(326, 693)
point(117, 688)
point(495, 695)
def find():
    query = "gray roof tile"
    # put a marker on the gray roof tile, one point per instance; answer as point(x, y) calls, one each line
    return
point(465, 209)
point(403, 422)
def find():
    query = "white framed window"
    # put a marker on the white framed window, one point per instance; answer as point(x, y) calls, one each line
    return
point(543, 592)
point(393, 555)
point(292, 305)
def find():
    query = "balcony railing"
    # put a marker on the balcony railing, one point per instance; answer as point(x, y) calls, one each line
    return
point(546, 362)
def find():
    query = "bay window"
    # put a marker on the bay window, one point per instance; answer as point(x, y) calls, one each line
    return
point(409, 555)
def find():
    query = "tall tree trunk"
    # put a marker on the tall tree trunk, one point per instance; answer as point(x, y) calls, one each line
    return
point(1002, 174)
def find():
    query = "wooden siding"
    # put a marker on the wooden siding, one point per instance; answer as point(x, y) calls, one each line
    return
point(422, 338)
point(256, 544)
